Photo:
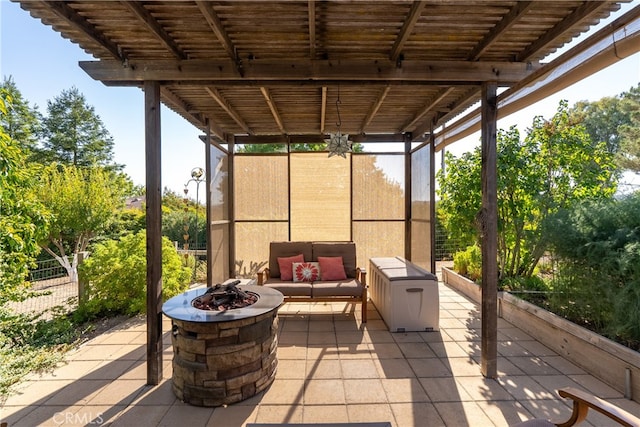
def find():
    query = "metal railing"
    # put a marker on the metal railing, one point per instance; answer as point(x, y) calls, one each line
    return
point(50, 279)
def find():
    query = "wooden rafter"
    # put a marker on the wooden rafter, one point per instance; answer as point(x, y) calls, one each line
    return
point(206, 8)
point(194, 117)
point(582, 12)
point(407, 28)
point(154, 26)
point(462, 103)
point(62, 10)
point(273, 108)
point(374, 108)
point(217, 96)
point(312, 29)
point(518, 10)
point(411, 126)
point(323, 109)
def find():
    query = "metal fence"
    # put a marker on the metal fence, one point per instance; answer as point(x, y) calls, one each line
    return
point(51, 279)
point(54, 289)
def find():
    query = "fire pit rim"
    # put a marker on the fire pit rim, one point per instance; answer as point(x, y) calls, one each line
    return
point(180, 307)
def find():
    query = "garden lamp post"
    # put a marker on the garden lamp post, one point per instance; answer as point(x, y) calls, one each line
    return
point(197, 176)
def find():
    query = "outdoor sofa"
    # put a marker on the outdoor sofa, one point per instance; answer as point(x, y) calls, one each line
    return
point(315, 271)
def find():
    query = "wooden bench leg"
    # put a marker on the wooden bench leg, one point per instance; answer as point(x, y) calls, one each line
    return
point(364, 305)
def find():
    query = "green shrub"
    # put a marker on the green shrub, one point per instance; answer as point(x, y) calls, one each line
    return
point(523, 284)
point(469, 262)
point(116, 273)
point(597, 246)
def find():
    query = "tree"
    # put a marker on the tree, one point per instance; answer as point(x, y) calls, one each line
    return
point(615, 121)
point(601, 120)
point(554, 167)
point(23, 219)
point(74, 134)
point(21, 122)
point(629, 155)
point(82, 201)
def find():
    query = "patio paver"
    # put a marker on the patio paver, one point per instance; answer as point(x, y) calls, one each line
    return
point(332, 368)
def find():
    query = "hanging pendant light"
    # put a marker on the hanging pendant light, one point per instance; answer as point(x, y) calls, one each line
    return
point(338, 143)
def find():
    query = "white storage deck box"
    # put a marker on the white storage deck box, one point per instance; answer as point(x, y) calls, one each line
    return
point(405, 294)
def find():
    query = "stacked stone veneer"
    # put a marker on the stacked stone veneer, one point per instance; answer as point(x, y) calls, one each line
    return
point(219, 363)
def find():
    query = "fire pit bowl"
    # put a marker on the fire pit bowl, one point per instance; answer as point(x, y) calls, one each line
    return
point(223, 356)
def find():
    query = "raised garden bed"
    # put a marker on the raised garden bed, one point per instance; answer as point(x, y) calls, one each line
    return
point(612, 363)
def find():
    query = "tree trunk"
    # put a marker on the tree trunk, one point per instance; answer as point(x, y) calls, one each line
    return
point(63, 260)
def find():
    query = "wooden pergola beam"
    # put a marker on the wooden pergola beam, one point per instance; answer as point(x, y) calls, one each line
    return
point(304, 70)
point(315, 138)
point(62, 10)
point(374, 108)
point(516, 12)
point(154, 26)
point(312, 29)
point(206, 8)
point(587, 9)
point(217, 96)
point(274, 109)
point(323, 109)
point(412, 125)
point(407, 28)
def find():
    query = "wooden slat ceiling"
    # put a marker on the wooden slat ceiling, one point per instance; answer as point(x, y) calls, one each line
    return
point(260, 69)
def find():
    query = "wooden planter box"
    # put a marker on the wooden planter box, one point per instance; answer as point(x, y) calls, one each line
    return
point(612, 363)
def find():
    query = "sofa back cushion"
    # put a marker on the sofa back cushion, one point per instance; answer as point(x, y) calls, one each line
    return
point(286, 249)
point(346, 250)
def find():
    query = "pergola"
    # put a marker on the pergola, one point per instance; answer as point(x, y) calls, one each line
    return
point(251, 72)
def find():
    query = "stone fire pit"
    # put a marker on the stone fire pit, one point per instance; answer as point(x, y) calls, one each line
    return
point(223, 357)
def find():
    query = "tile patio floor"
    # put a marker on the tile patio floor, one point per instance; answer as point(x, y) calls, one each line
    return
point(331, 369)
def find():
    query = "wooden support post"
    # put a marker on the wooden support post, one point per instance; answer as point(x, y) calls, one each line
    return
point(154, 231)
point(208, 203)
point(489, 222)
point(230, 205)
point(432, 198)
point(407, 195)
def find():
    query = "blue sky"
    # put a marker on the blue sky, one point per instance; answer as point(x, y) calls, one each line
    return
point(43, 64)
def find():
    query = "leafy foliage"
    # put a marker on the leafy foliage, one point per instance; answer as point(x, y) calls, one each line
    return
point(115, 274)
point(23, 219)
point(629, 154)
point(83, 202)
point(601, 119)
point(554, 167)
point(125, 221)
point(469, 262)
point(174, 223)
point(598, 249)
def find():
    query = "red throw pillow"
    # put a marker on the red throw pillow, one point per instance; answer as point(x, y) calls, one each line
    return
point(331, 268)
point(306, 271)
point(286, 266)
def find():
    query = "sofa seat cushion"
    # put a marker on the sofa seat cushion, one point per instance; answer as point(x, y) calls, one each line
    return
point(337, 288)
point(290, 289)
